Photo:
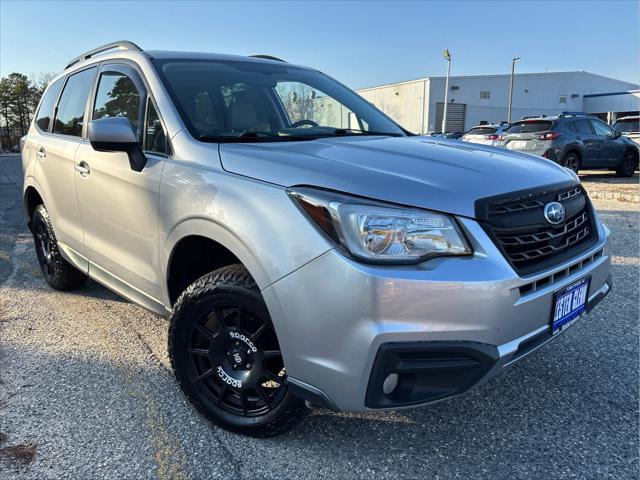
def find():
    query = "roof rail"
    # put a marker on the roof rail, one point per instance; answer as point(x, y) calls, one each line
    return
point(268, 57)
point(574, 114)
point(123, 44)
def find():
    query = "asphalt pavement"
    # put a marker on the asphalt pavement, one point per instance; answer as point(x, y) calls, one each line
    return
point(85, 378)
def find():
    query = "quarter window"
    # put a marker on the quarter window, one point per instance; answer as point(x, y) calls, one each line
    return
point(72, 105)
point(485, 95)
point(117, 96)
point(155, 137)
point(45, 112)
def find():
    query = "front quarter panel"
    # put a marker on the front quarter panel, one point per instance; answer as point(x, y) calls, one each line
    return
point(256, 221)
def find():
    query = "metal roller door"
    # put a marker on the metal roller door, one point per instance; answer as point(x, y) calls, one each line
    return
point(455, 116)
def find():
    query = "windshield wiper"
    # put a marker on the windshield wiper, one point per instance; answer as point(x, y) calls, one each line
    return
point(356, 131)
point(252, 137)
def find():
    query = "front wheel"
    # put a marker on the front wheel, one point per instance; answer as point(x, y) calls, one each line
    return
point(226, 355)
point(628, 165)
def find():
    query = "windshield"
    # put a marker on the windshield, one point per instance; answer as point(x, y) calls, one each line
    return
point(530, 126)
point(229, 100)
point(628, 125)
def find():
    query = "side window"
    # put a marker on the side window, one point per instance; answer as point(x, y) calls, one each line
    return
point(118, 96)
point(71, 107)
point(582, 126)
point(155, 138)
point(601, 129)
point(45, 112)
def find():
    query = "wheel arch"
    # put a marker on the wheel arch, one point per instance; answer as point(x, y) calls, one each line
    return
point(198, 246)
point(32, 197)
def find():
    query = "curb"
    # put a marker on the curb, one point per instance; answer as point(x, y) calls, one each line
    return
point(615, 196)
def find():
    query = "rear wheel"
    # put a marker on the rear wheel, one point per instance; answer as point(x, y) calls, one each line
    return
point(226, 355)
point(628, 165)
point(571, 161)
point(58, 273)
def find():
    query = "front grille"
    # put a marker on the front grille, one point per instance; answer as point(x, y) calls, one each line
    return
point(517, 225)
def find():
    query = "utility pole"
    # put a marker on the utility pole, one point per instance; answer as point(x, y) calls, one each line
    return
point(447, 55)
point(513, 69)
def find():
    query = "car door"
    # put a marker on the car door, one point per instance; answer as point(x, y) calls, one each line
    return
point(612, 149)
point(56, 145)
point(589, 142)
point(119, 206)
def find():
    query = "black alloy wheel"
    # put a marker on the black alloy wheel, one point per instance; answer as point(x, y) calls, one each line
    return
point(572, 162)
point(226, 355)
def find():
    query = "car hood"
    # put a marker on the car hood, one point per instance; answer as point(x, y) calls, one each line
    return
point(443, 175)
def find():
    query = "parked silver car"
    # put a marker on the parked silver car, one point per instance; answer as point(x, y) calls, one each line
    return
point(485, 134)
point(629, 126)
point(304, 246)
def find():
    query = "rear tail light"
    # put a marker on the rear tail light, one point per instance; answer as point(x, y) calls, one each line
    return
point(548, 135)
point(492, 137)
point(501, 137)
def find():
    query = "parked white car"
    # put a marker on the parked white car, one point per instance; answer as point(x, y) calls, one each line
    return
point(485, 134)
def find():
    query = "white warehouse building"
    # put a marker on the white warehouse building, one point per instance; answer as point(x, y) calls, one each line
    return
point(417, 105)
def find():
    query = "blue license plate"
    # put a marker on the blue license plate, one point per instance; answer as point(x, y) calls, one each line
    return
point(569, 304)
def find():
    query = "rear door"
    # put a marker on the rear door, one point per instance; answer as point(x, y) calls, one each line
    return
point(590, 142)
point(56, 148)
point(612, 149)
point(119, 205)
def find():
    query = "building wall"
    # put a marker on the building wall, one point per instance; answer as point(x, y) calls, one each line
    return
point(533, 94)
point(404, 102)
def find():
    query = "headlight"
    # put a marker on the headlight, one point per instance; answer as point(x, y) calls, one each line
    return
point(377, 232)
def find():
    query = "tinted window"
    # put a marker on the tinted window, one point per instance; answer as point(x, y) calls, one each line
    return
point(481, 131)
point(628, 125)
point(71, 107)
point(601, 129)
point(45, 112)
point(117, 96)
point(530, 126)
point(155, 138)
point(260, 100)
point(582, 126)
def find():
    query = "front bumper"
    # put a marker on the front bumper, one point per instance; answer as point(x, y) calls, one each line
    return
point(333, 316)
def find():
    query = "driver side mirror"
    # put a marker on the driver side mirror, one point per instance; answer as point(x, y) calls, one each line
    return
point(115, 134)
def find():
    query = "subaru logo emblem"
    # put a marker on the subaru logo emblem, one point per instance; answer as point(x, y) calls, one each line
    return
point(554, 213)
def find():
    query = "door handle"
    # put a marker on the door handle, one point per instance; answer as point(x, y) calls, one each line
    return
point(42, 153)
point(82, 168)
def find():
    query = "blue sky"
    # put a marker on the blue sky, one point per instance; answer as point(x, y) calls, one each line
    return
point(360, 43)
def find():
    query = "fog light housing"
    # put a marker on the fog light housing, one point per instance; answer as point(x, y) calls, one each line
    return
point(390, 383)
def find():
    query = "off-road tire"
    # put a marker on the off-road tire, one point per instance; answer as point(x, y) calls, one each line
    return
point(231, 283)
point(58, 273)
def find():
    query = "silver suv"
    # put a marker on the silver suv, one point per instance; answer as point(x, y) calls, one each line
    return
point(304, 246)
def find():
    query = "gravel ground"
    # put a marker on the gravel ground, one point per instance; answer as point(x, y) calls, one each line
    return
point(85, 377)
point(606, 185)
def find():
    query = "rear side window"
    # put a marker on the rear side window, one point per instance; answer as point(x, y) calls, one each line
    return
point(117, 96)
point(71, 107)
point(45, 112)
point(481, 131)
point(530, 126)
point(582, 126)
